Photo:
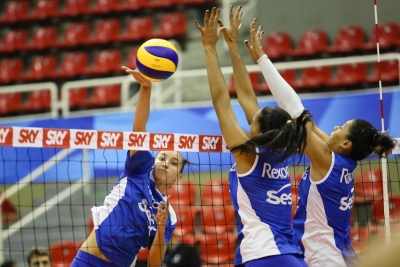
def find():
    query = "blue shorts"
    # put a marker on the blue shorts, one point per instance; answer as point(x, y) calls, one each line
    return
point(291, 260)
point(84, 259)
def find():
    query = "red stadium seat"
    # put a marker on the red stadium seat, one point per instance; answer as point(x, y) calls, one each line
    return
point(42, 67)
point(215, 192)
point(138, 28)
point(76, 7)
point(348, 39)
point(171, 25)
point(143, 254)
point(277, 45)
point(75, 34)
point(288, 75)
point(106, 61)
point(217, 219)
point(389, 36)
point(106, 31)
point(131, 59)
point(389, 72)
point(73, 64)
point(63, 252)
point(186, 216)
point(311, 43)
point(350, 74)
point(16, 10)
point(217, 249)
point(182, 193)
point(77, 97)
point(360, 237)
point(10, 103)
point(11, 70)
point(368, 186)
point(160, 3)
point(14, 40)
point(46, 9)
point(44, 37)
point(39, 100)
point(394, 210)
point(103, 6)
point(105, 95)
point(133, 4)
point(314, 77)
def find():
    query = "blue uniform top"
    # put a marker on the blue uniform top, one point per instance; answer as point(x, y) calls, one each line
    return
point(263, 200)
point(322, 220)
point(124, 223)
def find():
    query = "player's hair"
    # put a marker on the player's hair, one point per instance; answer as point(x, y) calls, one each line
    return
point(278, 133)
point(8, 263)
point(37, 251)
point(366, 139)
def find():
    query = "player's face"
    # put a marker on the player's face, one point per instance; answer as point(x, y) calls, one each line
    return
point(40, 261)
point(167, 167)
point(339, 134)
point(255, 125)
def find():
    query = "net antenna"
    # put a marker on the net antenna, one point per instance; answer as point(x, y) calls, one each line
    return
point(384, 157)
point(51, 203)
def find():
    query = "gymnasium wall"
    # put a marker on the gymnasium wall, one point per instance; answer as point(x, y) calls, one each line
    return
point(297, 16)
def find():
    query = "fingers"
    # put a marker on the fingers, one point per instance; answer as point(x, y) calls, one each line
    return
point(240, 26)
point(237, 14)
point(198, 25)
point(240, 16)
point(231, 14)
point(221, 30)
point(247, 44)
point(206, 18)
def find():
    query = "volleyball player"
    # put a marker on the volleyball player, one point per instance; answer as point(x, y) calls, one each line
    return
point(136, 213)
point(322, 220)
point(259, 182)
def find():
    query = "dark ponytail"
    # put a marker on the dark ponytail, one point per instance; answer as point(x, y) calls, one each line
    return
point(366, 140)
point(279, 133)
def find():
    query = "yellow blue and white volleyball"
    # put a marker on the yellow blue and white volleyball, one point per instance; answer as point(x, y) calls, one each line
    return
point(157, 59)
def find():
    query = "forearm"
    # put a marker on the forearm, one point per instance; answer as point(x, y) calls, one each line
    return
point(244, 87)
point(283, 93)
point(142, 109)
point(158, 248)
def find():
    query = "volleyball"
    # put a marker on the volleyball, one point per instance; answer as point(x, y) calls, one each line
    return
point(157, 59)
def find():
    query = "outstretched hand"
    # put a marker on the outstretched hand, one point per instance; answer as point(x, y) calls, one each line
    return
point(231, 33)
point(162, 213)
point(255, 48)
point(209, 33)
point(137, 76)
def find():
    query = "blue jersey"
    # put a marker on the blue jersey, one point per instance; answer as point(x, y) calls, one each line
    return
point(124, 224)
point(322, 220)
point(263, 200)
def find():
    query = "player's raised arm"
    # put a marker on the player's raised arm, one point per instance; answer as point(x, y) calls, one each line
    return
point(230, 128)
point(143, 105)
point(244, 88)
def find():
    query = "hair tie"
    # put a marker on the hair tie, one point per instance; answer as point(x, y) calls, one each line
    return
point(288, 121)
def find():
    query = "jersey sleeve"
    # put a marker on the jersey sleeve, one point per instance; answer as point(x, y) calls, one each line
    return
point(140, 163)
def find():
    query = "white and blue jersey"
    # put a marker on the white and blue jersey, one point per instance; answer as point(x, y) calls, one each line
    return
point(263, 200)
point(322, 220)
point(124, 224)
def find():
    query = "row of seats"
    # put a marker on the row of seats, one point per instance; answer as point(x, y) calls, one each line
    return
point(349, 39)
point(40, 101)
point(72, 64)
point(21, 10)
point(109, 30)
point(316, 77)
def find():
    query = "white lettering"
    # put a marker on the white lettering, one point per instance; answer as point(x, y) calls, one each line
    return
point(284, 199)
point(55, 137)
point(210, 142)
point(346, 203)
point(3, 135)
point(143, 207)
point(109, 139)
point(161, 141)
point(347, 176)
point(275, 173)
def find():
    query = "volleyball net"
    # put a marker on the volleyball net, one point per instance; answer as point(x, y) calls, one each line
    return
point(55, 176)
